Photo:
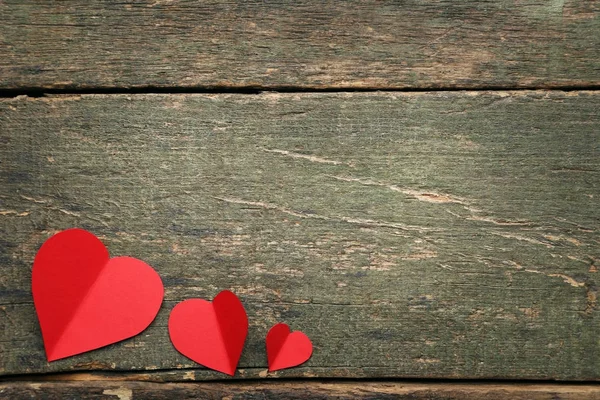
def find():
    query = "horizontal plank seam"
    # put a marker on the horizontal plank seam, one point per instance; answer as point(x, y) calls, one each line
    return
point(41, 92)
point(158, 375)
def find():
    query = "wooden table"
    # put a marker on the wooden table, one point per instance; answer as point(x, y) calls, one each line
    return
point(413, 184)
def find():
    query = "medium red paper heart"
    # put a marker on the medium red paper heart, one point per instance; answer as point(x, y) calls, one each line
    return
point(210, 333)
point(285, 349)
point(85, 300)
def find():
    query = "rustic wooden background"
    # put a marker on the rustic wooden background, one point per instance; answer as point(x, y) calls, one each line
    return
point(413, 184)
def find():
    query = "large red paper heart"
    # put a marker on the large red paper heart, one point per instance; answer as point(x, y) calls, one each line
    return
point(86, 300)
point(285, 349)
point(210, 333)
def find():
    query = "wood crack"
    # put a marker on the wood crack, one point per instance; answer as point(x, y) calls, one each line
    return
point(349, 220)
point(565, 278)
point(308, 157)
point(436, 198)
point(522, 238)
point(15, 212)
point(427, 196)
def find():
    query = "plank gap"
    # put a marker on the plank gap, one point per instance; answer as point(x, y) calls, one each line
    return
point(186, 375)
point(298, 390)
point(36, 92)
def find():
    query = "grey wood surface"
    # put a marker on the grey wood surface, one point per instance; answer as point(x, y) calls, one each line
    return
point(95, 44)
point(295, 390)
point(408, 234)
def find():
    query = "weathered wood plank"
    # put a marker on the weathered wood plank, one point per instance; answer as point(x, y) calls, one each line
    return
point(309, 43)
point(296, 390)
point(409, 235)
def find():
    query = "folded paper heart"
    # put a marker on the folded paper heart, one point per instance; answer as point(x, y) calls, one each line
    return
point(285, 349)
point(86, 300)
point(210, 333)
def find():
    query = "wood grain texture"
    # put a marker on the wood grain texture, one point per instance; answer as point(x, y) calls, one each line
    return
point(295, 390)
point(408, 234)
point(95, 44)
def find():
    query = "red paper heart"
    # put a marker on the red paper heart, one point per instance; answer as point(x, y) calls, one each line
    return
point(210, 333)
point(285, 349)
point(86, 300)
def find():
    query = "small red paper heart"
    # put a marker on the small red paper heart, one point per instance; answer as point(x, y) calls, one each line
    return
point(285, 349)
point(210, 333)
point(85, 300)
